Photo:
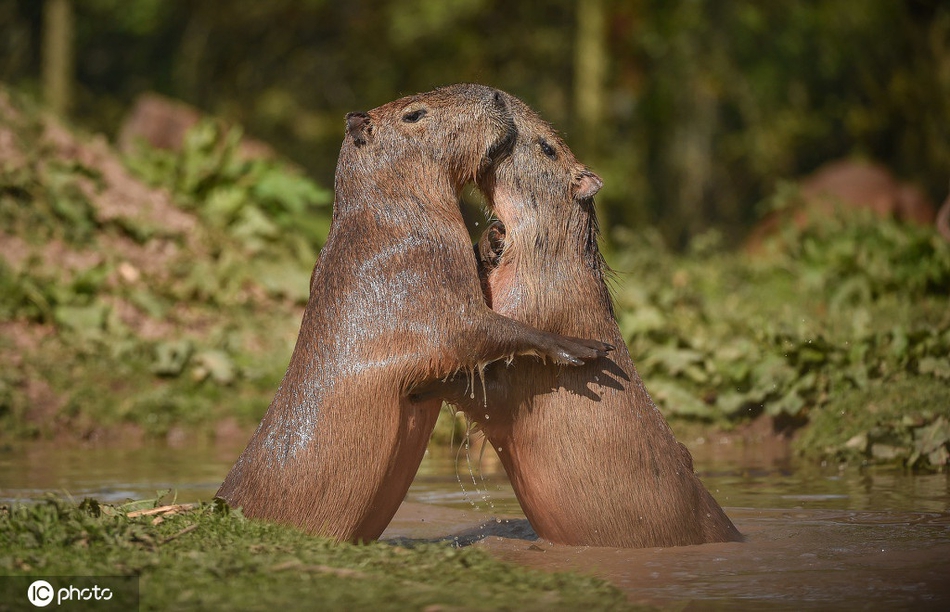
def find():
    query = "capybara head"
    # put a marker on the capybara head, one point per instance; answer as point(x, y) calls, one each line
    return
point(541, 178)
point(543, 197)
point(440, 139)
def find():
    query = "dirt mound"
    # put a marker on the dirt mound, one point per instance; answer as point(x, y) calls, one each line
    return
point(843, 186)
point(39, 150)
point(115, 289)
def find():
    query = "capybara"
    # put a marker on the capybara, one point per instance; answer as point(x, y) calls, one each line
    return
point(395, 303)
point(590, 457)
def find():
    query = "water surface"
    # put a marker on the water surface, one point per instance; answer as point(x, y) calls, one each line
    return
point(816, 536)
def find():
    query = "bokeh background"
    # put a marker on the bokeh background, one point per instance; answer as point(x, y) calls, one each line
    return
point(693, 112)
point(171, 279)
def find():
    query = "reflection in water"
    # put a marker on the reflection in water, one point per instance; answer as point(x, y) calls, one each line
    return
point(802, 558)
point(815, 536)
point(29, 471)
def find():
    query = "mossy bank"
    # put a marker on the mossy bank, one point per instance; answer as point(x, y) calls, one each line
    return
point(209, 557)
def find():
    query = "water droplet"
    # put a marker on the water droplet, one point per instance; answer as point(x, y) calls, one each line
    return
point(487, 417)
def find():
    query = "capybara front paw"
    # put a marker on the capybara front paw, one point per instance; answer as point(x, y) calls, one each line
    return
point(577, 351)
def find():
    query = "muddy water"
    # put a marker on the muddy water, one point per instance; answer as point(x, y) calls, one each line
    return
point(30, 471)
point(816, 537)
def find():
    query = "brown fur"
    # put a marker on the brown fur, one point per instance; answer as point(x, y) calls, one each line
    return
point(394, 303)
point(591, 459)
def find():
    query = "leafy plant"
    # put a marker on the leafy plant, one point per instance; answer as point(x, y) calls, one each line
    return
point(846, 304)
point(262, 203)
point(156, 314)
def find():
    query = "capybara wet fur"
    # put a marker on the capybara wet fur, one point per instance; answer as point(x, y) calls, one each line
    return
point(590, 457)
point(395, 303)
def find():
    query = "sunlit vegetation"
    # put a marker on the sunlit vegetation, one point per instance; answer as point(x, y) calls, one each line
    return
point(831, 321)
point(691, 111)
point(180, 308)
point(209, 557)
point(139, 294)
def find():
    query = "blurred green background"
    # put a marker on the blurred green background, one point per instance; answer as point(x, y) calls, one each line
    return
point(156, 294)
point(692, 111)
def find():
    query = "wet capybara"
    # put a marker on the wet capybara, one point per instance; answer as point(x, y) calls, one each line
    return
point(395, 303)
point(590, 457)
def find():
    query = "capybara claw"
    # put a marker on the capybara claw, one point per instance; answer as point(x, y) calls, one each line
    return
point(590, 349)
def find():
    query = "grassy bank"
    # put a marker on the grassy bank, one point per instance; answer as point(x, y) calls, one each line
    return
point(209, 557)
point(146, 294)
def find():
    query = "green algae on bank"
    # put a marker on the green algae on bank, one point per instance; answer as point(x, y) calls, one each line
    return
point(905, 422)
point(211, 557)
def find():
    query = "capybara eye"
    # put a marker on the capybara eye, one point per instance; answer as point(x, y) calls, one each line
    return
point(414, 115)
point(547, 149)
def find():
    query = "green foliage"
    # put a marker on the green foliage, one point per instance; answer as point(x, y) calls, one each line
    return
point(708, 104)
point(261, 203)
point(842, 306)
point(40, 186)
point(905, 421)
point(156, 309)
point(854, 262)
point(137, 17)
point(726, 100)
point(216, 559)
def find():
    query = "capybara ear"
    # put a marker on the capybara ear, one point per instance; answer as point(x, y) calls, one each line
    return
point(359, 127)
point(585, 185)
